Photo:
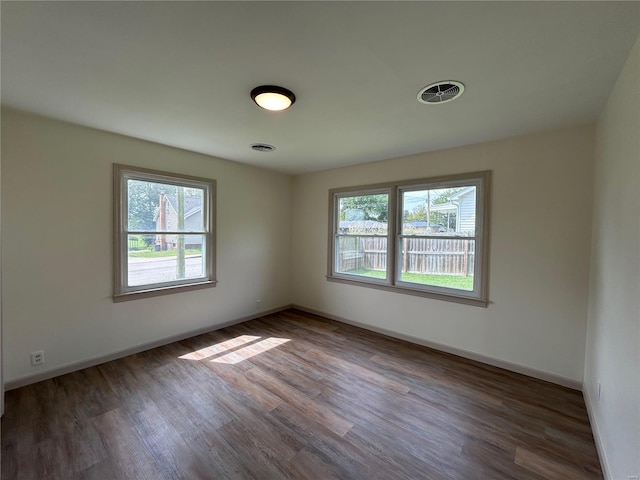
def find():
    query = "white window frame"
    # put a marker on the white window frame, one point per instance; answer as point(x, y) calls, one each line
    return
point(479, 296)
point(123, 291)
point(336, 235)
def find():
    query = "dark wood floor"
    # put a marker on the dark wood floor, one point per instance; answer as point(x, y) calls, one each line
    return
point(293, 395)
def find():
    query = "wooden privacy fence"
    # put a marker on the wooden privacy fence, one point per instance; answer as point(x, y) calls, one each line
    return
point(438, 255)
point(423, 255)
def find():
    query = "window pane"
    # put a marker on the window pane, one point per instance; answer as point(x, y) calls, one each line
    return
point(164, 258)
point(366, 256)
point(440, 262)
point(156, 206)
point(364, 214)
point(442, 211)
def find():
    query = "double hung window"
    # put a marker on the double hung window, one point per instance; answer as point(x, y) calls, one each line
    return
point(164, 232)
point(426, 237)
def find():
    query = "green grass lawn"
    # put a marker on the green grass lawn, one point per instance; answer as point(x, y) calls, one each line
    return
point(450, 281)
point(162, 253)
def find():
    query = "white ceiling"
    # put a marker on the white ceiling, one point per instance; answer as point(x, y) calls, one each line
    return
point(180, 73)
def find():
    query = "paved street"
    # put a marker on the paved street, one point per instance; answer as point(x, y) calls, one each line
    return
point(155, 270)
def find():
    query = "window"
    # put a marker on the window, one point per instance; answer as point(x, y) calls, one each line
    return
point(427, 237)
point(164, 232)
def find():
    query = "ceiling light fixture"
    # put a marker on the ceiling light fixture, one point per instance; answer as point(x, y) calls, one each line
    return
point(272, 97)
point(263, 147)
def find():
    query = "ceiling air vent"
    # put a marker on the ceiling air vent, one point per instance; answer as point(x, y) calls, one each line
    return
point(441, 92)
point(263, 147)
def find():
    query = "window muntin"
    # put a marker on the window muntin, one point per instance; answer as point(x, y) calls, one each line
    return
point(164, 238)
point(438, 247)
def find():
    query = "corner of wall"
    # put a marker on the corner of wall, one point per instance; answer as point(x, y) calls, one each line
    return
point(612, 345)
point(604, 463)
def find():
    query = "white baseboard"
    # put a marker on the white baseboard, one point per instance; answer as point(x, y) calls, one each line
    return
point(91, 362)
point(72, 367)
point(513, 367)
point(604, 463)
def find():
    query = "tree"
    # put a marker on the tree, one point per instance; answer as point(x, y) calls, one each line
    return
point(418, 214)
point(437, 197)
point(365, 207)
point(448, 219)
point(444, 196)
point(144, 198)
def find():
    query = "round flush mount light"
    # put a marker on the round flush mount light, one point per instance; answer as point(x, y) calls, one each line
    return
point(441, 92)
point(272, 97)
point(263, 147)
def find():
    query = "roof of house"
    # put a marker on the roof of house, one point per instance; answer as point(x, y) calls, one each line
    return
point(362, 225)
point(423, 224)
point(450, 206)
point(464, 191)
point(191, 205)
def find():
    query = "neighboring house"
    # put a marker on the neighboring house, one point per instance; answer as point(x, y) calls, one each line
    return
point(424, 227)
point(465, 200)
point(368, 227)
point(463, 204)
point(167, 220)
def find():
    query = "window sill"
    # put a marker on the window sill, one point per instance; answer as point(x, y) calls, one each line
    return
point(155, 292)
point(410, 291)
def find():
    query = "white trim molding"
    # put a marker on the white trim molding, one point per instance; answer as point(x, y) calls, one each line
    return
point(92, 362)
point(513, 367)
point(604, 463)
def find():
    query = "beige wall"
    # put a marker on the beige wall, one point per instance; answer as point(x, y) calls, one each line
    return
point(57, 248)
point(539, 267)
point(57, 245)
point(1, 355)
point(613, 334)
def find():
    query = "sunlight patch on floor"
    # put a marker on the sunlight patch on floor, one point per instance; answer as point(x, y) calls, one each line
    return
point(236, 349)
point(219, 348)
point(249, 351)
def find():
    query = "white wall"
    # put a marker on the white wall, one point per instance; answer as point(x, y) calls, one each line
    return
point(539, 267)
point(613, 333)
point(57, 245)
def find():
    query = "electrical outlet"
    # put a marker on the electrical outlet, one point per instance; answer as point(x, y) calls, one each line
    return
point(37, 358)
point(258, 304)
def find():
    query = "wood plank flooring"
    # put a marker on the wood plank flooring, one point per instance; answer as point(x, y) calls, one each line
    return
point(296, 396)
